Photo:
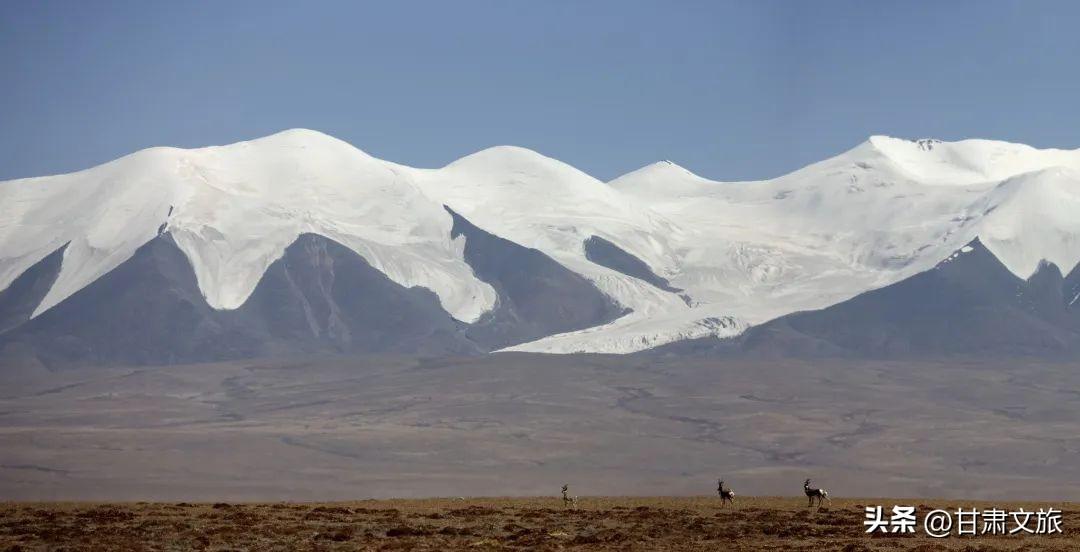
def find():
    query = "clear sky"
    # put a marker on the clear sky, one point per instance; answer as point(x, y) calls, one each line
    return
point(735, 90)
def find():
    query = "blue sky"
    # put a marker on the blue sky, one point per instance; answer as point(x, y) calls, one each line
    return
point(735, 90)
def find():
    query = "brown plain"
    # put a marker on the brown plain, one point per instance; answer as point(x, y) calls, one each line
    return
point(600, 523)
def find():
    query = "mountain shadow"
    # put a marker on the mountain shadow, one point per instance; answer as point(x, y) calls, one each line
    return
point(319, 297)
point(969, 305)
point(537, 296)
point(24, 294)
point(607, 254)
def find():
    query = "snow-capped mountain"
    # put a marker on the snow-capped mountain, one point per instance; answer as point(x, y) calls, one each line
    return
point(749, 252)
point(517, 250)
point(233, 210)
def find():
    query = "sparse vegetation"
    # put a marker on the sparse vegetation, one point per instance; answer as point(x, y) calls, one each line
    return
point(625, 523)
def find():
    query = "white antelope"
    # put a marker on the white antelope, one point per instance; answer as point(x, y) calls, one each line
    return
point(567, 500)
point(726, 495)
point(811, 494)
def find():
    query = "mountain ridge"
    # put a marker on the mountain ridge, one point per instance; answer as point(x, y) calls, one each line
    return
point(680, 255)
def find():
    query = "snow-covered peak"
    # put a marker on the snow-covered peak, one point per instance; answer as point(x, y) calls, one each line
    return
point(661, 178)
point(233, 210)
point(545, 204)
point(300, 142)
point(245, 203)
point(507, 157)
point(299, 137)
point(969, 161)
point(510, 176)
point(875, 214)
point(506, 181)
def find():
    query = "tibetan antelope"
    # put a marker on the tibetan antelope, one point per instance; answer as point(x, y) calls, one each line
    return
point(726, 495)
point(567, 500)
point(811, 494)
